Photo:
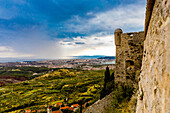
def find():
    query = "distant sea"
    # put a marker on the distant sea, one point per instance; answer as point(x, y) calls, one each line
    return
point(94, 57)
point(3, 60)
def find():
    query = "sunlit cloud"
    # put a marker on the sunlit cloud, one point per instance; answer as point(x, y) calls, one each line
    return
point(92, 45)
point(5, 49)
point(8, 52)
point(123, 17)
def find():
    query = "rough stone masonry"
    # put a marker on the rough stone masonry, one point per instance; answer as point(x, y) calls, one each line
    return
point(154, 85)
point(151, 50)
point(129, 52)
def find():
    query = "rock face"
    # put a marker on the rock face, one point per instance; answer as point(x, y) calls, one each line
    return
point(154, 85)
point(129, 52)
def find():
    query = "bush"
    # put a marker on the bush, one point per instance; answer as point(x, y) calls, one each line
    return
point(122, 94)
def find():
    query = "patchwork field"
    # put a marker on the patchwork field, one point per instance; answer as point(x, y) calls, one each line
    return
point(62, 85)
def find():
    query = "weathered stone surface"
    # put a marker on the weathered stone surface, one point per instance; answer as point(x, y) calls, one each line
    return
point(101, 105)
point(129, 52)
point(118, 33)
point(154, 85)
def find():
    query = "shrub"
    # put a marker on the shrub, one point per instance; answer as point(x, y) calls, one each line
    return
point(122, 94)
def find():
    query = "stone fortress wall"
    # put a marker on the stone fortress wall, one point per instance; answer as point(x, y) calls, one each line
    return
point(149, 53)
point(151, 50)
point(154, 84)
point(129, 52)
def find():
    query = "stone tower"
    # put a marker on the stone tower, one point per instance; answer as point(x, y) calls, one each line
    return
point(117, 34)
point(129, 52)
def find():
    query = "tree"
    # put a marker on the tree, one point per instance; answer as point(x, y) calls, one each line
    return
point(109, 83)
point(106, 80)
point(107, 75)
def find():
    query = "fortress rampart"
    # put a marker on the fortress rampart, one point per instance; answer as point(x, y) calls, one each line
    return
point(154, 84)
point(129, 52)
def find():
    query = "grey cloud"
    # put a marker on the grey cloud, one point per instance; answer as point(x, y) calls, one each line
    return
point(79, 43)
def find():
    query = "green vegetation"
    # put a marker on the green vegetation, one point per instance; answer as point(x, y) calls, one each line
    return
point(79, 86)
point(23, 73)
point(121, 96)
point(69, 86)
point(125, 97)
point(109, 83)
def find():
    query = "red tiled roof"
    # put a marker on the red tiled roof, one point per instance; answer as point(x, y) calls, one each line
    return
point(57, 111)
point(66, 107)
point(28, 110)
point(75, 105)
point(33, 111)
point(59, 104)
point(71, 108)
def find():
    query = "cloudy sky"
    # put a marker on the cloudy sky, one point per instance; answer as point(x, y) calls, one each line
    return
point(51, 29)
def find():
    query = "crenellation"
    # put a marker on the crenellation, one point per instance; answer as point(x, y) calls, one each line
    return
point(118, 33)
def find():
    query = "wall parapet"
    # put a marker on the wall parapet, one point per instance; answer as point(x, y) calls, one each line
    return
point(149, 8)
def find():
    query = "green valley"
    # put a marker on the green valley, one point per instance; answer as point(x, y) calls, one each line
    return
point(69, 86)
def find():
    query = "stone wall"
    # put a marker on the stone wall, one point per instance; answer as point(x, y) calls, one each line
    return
point(101, 106)
point(129, 52)
point(154, 85)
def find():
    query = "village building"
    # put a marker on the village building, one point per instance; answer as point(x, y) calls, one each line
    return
point(49, 109)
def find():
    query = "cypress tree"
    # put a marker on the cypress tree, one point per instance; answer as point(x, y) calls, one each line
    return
point(107, 75)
